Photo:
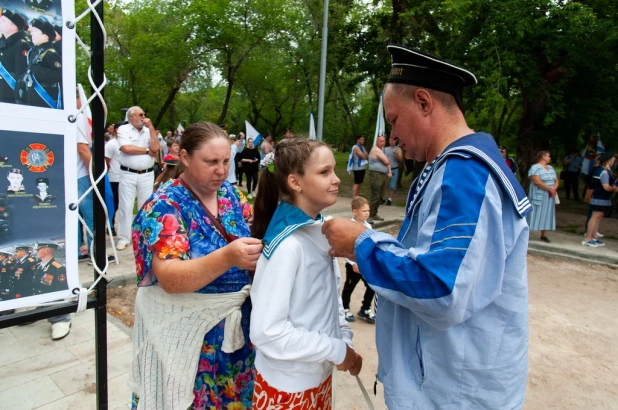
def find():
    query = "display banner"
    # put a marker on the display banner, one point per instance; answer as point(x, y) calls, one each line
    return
point(38, 153)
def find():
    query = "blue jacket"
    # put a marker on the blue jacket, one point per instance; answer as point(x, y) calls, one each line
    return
point(452, 307)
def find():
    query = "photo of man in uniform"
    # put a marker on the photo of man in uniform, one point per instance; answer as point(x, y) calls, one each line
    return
point(42, 184)
point(16, 179)
point(7, 276)
point(49, 274)
point(14, 46)
point(24, 271)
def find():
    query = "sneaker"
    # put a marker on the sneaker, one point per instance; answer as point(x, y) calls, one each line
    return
point(382, 200)
point(85, 257)
point(250, 196)
point(600, 235)
point(377, 218)
point(592, 243)
point(60, 330)
point(349, 316)
point(367, 315)
point(545, 239)
point(600, 243)
point(389, 202)
point(121, 246)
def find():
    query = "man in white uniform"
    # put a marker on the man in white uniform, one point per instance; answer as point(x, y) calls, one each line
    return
point(139, 145)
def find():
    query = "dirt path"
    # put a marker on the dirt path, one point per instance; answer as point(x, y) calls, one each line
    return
point(573, 338)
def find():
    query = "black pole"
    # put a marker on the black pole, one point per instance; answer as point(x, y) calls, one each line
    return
point(98, 129)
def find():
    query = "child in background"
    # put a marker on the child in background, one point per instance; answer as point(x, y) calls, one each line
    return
point(360, 209)
point(298, 326)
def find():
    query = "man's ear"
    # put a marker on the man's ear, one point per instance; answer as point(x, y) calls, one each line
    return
point(423, 98)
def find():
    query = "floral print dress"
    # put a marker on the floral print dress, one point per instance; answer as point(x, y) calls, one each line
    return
point(172, 224)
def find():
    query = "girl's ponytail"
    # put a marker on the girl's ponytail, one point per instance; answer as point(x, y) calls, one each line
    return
point(265, 204)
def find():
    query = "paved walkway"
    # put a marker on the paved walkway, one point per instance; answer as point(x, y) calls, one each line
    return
point(38, 373)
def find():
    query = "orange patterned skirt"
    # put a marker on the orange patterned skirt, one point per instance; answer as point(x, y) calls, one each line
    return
point(266, 397)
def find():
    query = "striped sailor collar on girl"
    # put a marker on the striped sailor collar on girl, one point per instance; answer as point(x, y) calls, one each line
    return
point(286, 220)
point(482, 146)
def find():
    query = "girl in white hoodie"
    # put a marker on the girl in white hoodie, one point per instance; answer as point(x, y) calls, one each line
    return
point(298, 325)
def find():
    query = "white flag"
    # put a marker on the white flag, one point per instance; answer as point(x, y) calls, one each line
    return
point(180, 129)
point(253, 133)
point(312, 134)
point(380, 127)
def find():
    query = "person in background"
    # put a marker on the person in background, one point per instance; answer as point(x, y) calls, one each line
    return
point(601, 201)
point(140, 146)
point(173, 151)
point(360, 210)
point(238, 158)
point(234, 145)
point(379, 173)
point(267, 146)
point(572, 166)
point(357, 164)
point(395, 157)
point(251, 166)
point(193, 256)
point(509, 161)
point(162, 144)
point(112, 158)
point(542, 194)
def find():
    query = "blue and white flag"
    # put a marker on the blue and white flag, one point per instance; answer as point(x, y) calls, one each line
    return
point(312, 134)
point(251, 132)
point(380, 127)
point(360, 162)
point(589, 155)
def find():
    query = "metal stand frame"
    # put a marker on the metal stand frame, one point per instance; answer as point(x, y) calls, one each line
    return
point(99, 301)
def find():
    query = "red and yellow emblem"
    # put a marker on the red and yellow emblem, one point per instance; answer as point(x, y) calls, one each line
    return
point(37, 157)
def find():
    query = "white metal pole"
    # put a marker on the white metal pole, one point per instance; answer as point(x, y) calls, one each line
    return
point(322, 72)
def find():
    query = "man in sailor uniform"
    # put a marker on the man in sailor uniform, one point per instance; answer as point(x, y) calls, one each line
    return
point(452, 304)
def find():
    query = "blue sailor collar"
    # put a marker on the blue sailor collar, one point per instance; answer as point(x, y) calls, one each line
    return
point(482, 146)
point(286, 220)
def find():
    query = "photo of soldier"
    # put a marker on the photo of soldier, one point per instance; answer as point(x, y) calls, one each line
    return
point(14, 46)
point(16, 178)
point(24, 271)
point(42, 184)
point(49, 274)
point(7, 276)
point(41, 85)
point(39, 5)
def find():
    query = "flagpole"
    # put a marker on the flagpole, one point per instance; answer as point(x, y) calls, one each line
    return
point(322, 72)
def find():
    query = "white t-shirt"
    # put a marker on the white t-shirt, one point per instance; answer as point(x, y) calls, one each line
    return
point(112, 151)
point(231, 176)
point(82, 138)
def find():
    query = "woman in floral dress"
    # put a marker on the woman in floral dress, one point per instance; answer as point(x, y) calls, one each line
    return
point(191, 239)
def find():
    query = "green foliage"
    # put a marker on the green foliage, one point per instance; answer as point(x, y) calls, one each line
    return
point(546, 68)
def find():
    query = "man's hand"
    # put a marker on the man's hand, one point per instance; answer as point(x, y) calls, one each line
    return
point(341, 234)
point(351, 361)
point(147, 122)
point(355, 268)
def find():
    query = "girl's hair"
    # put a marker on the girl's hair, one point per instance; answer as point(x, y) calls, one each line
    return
point(291, 156)
point(195, 135)
point(170, 172)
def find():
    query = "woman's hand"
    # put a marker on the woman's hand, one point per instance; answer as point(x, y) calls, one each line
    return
point(244, 253)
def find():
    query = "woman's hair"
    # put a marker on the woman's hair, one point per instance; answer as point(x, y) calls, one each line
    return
point(540, 155)
point(197, 134)
point(291, 156)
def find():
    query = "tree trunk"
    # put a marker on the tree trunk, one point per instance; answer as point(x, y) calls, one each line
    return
point(166, 105)
point(228, 95)
point(346, 107)
point(528, 142)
